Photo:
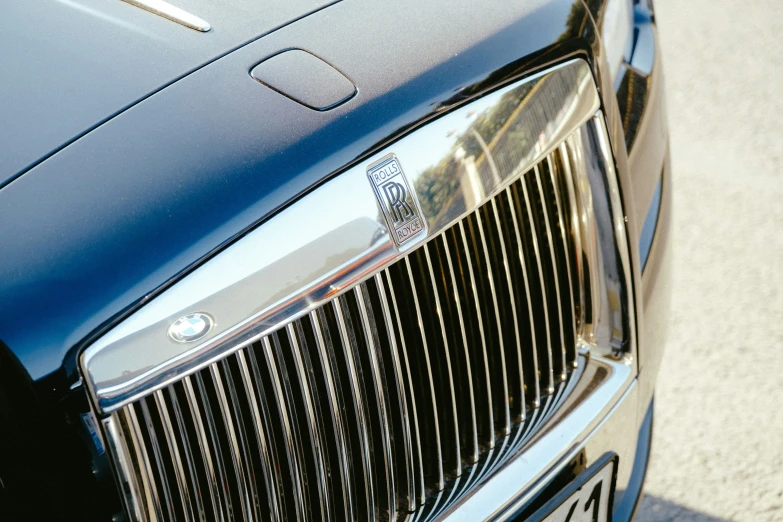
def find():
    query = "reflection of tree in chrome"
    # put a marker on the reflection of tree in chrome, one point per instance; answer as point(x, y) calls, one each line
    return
point(438, 185)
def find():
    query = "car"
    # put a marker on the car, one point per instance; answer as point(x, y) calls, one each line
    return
point(330, 260)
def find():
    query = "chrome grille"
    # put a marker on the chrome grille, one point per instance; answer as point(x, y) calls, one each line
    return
point(394, 397)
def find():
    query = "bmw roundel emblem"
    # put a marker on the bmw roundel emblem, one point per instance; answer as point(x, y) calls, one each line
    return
point(191, 327)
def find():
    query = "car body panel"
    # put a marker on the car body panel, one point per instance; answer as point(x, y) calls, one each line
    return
point(99, 226)
point(69, 65)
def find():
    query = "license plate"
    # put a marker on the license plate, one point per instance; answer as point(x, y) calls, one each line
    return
point(587, 499)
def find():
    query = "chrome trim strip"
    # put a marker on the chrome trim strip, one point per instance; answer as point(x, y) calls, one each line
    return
point(436, 424)
point(185, 496)
point(483, 339)
point(173, 13)
point(142, 460)
point(252, 289)
point(439, 312)
point(206, 452)
point(387, 463)
point(505, 427)
point(240, 474)
point(474, 453)
point(168, 498)
point(271, 471)
point(512, 302)
point(417, 460)
point(334, 401)
point(131, 490)
point(531, 320)
point(355, 385)
point(406, 443)
point(304, 375)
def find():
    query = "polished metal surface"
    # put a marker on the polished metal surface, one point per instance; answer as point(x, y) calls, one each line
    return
point(397, 201)
point(251, 289)
point(399, 383)
point(191, 327)
point(173, 13)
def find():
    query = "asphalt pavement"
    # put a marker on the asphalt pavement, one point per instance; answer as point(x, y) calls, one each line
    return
point(718, 435)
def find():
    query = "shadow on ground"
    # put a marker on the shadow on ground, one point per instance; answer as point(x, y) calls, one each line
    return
point(654, 509)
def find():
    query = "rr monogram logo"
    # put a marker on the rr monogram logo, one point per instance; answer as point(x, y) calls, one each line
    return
point(396, 200)
point(395, 197)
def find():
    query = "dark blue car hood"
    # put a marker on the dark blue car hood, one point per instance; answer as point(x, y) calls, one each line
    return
point(94, 230)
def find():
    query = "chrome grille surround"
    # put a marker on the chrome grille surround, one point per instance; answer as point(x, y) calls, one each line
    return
point(319, 379)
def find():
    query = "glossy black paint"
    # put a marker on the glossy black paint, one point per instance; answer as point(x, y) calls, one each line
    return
point(94, 230)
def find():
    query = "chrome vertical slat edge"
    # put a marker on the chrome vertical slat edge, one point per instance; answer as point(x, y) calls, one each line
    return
point(439, 453)
point(260, 424)
point(512, 301)
point(439, 311)
point(228, 410)
point(485, 356)
point(281, 399)
point(187, 451)
point(567, 152)
point(523, 264)
point(206, 453)
point(534, 244)
point(407, 444)
point(145, 467)
point(326, 359)
point(311, 420)
point(211, 434)
point(588, 235)
point(132, 492)
point(157, 454)
point(554, 174)
point(556, 284)
point(363, 301)
point(473, 456)
point(417, 459)
point(358, 399)
point(506, 426)
point(169, 433)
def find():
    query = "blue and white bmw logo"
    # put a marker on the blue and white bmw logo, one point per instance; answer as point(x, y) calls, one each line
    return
point(191, 328)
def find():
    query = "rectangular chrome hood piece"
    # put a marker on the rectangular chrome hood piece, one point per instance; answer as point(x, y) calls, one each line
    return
point(337, 236)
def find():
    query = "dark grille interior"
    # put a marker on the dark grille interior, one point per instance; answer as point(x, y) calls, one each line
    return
point(418, 380)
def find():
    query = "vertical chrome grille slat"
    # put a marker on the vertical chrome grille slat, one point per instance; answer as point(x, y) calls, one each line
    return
point(295, 506)
point(241, 476)
point(224, 484)
point(562, 253)
point(462, 241)
point(157, 457)
point(578, 277)
point(399, 389)
point(403, 391)
point(311, 428)
point(327, 361)
point(505, 420)
point(418, 474)
point(532, 381)
point(357, 394)
point(444, 350)
point(515, 348)
point(185, 497)
point(439, 482)
point(472, 455)
point(259, 423)
point(550, 268)
point(154, 507)
point(204, 450)
point(384, 446)
point(536, 277)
